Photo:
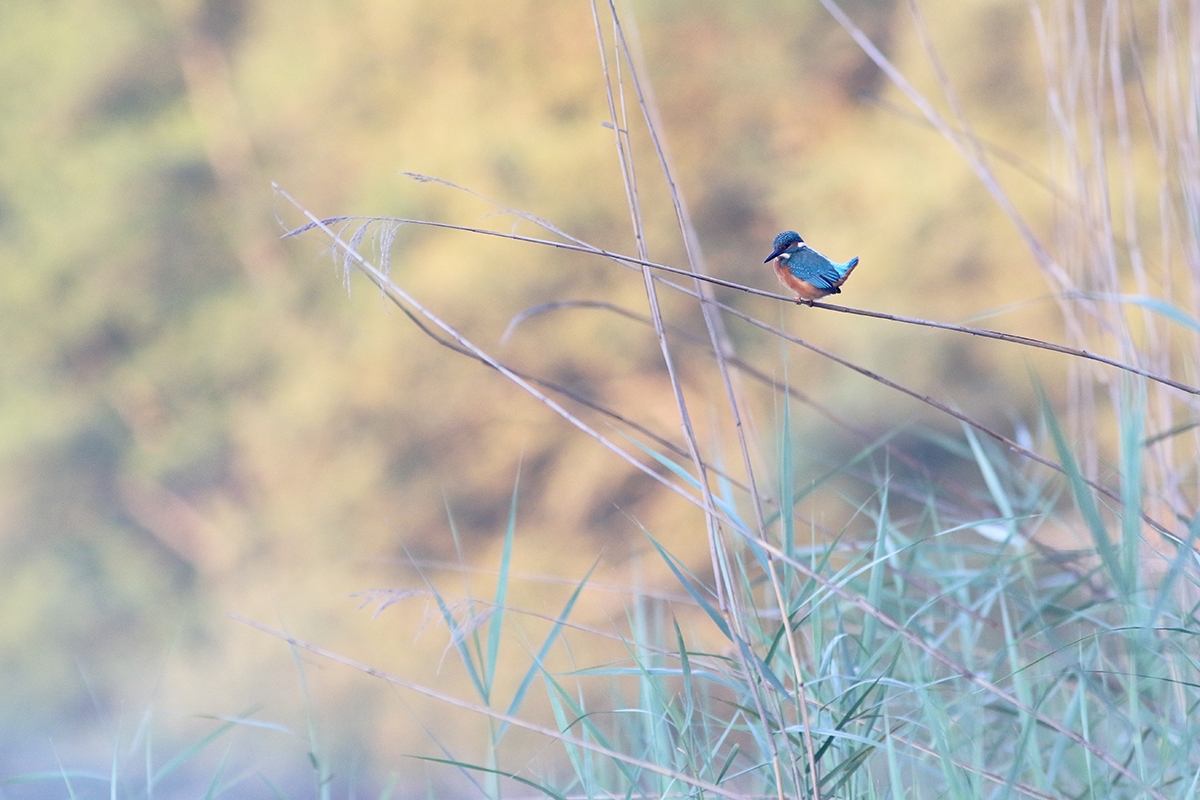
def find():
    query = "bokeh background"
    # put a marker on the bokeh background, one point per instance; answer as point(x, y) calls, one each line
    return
point(198, 419)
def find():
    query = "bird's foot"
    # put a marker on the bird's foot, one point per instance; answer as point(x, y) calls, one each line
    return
point(803, 301)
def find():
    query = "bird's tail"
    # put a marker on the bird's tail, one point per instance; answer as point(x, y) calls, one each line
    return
point(847, 268)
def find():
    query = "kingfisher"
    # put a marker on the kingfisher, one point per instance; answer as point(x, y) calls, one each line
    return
point(805, 271)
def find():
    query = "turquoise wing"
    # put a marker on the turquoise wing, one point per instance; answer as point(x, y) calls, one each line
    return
point(810, 266)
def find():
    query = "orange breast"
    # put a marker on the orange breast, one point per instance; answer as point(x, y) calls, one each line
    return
point(803, 289)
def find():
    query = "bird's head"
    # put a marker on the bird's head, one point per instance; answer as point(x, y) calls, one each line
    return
point(783, 242)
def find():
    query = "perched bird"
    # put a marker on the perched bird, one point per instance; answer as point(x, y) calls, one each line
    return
point(805, 271)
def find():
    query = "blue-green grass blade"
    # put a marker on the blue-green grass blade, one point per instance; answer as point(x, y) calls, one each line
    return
point(65, 778)
point(53, 775)
point(845, 465)
point(1193, 789)
point(787, 478)
point(468, 775)
point(1132, 425)
point(176, 761)
point(244, 721)
point(454, 537)
point(726, 501)
point(700, 599)
point(724, 489)
point(573, 753)
point(760, 555)
point(850, 715)
point(734, 752)
point(275, 790)
point(896, 771)
point(802, 598)
point(990, 478)
point(756, 729)
point(214, 784)
point(586, 725)
point(311, 724)
point(456, 638)
point(729, 510)
point(497, 772)
point(763, 668)
point(685, 669)
point(776, 640)
point(1154, 304)
point(848, 769)
point(114, 767)
point(878, 566)
point(848, 766)
point(1027, 745)
point(460, 644)
point(731, 727)
point(1084, 500)
point(540, 658)
point(656, 744)
point(939, 727)
point(389, 786)
point(797, 495)
point(146, 731)
point(496, 623)
point(1185, 556)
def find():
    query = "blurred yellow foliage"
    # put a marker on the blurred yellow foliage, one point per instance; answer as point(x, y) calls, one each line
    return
point(195, 419)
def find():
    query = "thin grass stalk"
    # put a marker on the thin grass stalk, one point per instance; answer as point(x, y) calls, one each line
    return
point(727, 599)
point(721, 349)
point(629, 178)
point(721, 344)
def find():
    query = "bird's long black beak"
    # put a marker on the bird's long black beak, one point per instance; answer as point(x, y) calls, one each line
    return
point(778, 252)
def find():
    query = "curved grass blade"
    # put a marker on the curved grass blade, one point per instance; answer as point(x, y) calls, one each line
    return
point(701, 601)
point(540, 658)
point(497, 772)
point(496, 622)
point(1084, 500)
